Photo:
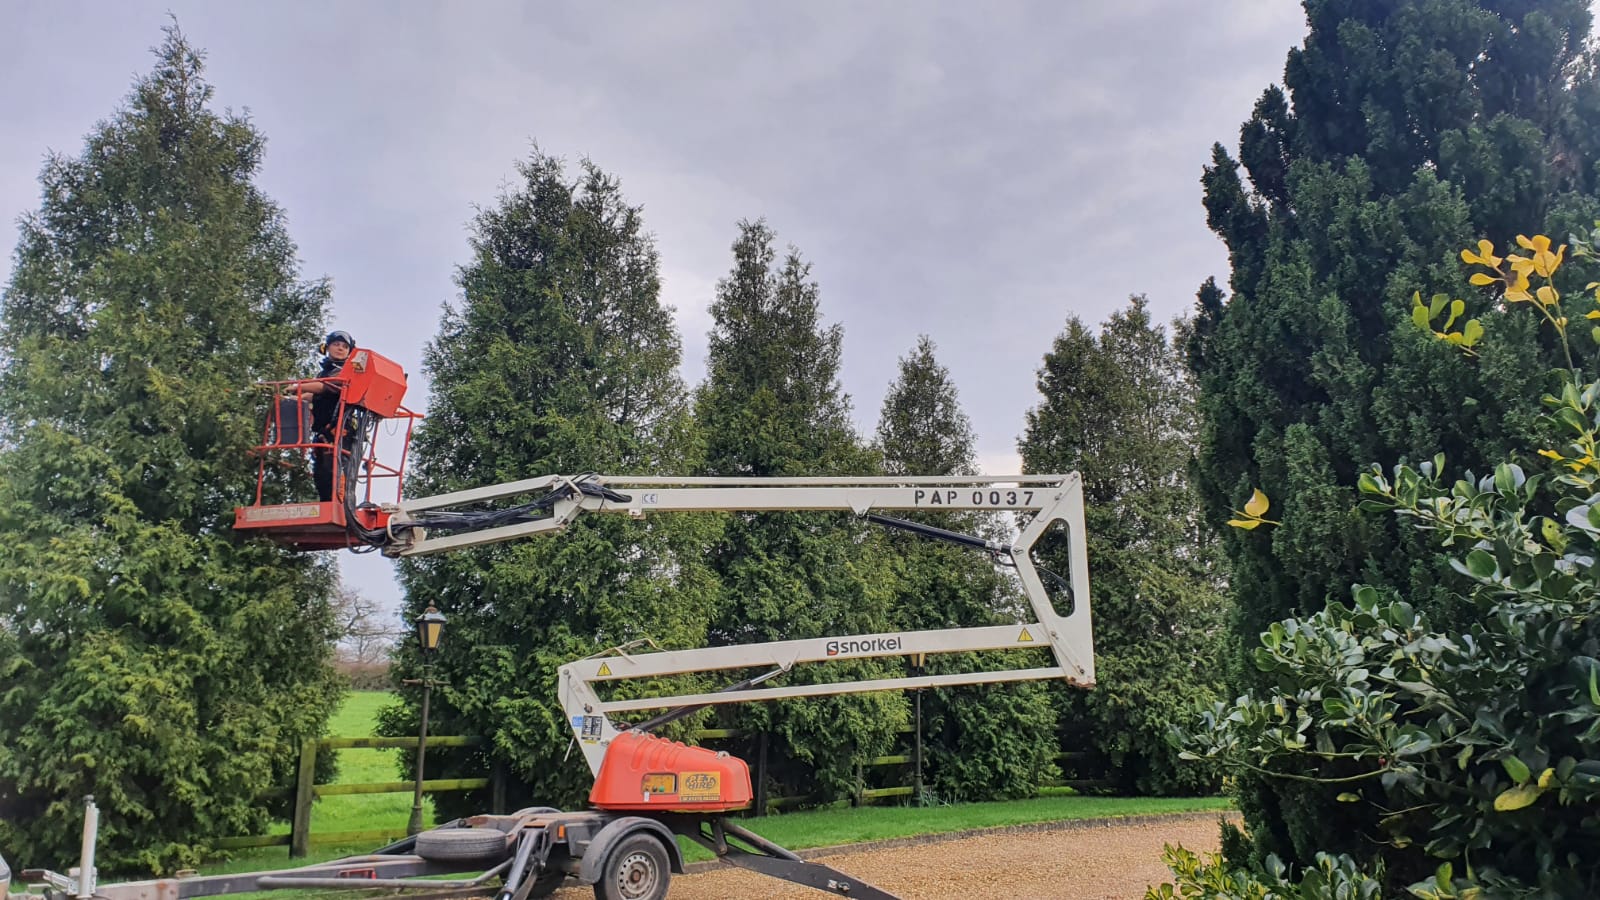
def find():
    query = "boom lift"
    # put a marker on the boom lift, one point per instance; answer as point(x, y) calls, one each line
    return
point(648, 789)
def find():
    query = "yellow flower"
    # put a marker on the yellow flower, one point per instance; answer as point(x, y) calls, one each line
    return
point(1484, 257)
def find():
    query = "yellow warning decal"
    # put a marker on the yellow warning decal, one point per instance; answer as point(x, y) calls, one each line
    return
point(701, 787)
point(605, 669)
point(1024, 636)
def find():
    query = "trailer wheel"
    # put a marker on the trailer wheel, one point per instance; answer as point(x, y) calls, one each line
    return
point(638, 869)
point(455, 844)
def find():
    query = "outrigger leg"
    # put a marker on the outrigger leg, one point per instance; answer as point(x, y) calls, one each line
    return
point(768, 858)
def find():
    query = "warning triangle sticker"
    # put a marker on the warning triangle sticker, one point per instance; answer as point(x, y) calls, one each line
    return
point(1024, 636)
point(605, 668)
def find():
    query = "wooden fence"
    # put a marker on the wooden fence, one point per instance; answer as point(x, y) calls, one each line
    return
point(307, 791)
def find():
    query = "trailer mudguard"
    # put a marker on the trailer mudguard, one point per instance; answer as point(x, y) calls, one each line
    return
point(594, 858)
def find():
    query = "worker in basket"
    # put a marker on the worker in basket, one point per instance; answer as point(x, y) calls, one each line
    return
point(336, 348)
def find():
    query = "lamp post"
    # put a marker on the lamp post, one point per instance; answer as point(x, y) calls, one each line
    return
point(430, 629)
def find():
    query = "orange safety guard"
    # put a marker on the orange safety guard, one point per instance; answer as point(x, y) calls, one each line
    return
point(642, 771)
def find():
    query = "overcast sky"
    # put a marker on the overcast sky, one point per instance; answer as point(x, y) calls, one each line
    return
point(974, 172)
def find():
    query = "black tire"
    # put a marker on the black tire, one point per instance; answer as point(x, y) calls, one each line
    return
point(637, 869)
point(456, 844)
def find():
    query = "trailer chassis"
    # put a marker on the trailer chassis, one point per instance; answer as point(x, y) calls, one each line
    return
point(526, 854)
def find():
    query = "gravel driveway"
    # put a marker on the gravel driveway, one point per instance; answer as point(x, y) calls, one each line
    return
point(1111, 860)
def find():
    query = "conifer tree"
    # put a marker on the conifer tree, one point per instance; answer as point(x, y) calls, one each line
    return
point(148, 656)
point(772, 405)
point(1116, 408)
point(1404, 132)
point(982, 741)
point(560, 359)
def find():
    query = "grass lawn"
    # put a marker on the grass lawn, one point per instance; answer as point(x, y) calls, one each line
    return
point(357, 717)
point(840, 824)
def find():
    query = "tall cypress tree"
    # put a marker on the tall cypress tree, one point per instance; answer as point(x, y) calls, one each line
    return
point(772, 405)
point(983, 741)
point(1408, 130)
point(560, 360)
point(149, 657)
point(1116, 407)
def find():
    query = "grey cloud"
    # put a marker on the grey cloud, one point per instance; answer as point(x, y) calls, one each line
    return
point(975, 172)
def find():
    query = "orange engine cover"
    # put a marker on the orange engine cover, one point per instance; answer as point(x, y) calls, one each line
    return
point(374, 382)
point(642, 771)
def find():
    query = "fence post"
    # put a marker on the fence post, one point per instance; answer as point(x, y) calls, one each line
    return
point(304, 794)
point(917, 778)
point(497, 788)
point(761, 774)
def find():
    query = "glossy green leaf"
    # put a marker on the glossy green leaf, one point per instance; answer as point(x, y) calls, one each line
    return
point(1516, 769)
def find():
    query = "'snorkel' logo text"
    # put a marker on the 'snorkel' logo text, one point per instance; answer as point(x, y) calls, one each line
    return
point(865, 645)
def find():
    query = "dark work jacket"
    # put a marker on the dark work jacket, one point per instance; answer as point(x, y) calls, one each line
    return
point(325, 405)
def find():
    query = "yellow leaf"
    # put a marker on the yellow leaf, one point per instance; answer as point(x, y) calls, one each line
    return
point(1482, 278)
point(1546, 778)
point(1551, 454)
point(1521, 265)
point(1244, 524)
point(1546, 263)
point(1257, 507)
point(1592, 314)
point(1516, 798)
point(1547, 295)
point(1486, 253)
point(1470, 258)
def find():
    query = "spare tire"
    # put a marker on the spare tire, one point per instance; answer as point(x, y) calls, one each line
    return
point(453, 844)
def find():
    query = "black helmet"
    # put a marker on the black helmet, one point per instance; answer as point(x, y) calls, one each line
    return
point(338, 336)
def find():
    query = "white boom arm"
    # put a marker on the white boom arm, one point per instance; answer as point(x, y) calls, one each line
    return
point(1056, 500)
